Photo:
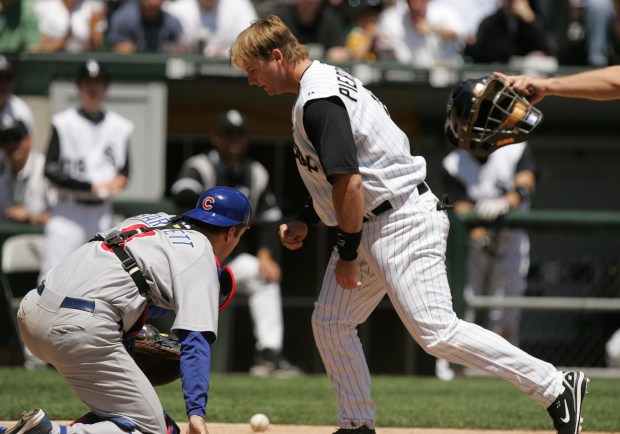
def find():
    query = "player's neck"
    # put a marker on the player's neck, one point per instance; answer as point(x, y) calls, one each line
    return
point(300, 70)
point(94, 115)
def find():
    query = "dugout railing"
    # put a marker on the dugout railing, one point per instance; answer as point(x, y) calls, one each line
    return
point(571, 306)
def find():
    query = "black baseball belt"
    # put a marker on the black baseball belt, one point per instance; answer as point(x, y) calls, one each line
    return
point(386, 206)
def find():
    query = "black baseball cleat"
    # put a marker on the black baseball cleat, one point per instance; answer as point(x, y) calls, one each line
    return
point(32, 422)
point(566, 409)
point(360, 430)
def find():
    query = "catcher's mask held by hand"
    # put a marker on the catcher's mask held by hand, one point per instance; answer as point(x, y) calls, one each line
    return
point(485, 114)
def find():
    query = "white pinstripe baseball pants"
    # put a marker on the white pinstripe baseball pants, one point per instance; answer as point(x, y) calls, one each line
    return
point(403, 254)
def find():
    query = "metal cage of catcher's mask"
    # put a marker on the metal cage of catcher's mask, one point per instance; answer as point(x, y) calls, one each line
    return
point(485, 114)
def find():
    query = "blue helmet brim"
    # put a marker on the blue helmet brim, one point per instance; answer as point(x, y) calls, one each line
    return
point(211, 218)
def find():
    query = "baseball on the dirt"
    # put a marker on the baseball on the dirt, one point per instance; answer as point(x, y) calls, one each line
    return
point(259, 422)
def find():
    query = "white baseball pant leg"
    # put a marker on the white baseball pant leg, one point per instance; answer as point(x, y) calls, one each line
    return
point(264, 301)
point(403, 252)
point(86, 348)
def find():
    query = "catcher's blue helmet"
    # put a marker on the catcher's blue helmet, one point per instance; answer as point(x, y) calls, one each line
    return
point(222, 206)
point(485, 114)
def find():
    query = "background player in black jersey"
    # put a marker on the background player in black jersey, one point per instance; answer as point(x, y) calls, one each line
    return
point(257, 273)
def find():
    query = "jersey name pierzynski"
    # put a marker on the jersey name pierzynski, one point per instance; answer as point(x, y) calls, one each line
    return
point(383, 152)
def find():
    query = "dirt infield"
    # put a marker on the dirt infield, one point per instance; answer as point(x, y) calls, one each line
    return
point(222, 428)
point(244, 428)
point(217, 428)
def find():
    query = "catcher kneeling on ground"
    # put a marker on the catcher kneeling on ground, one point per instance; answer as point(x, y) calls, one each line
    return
point(91, 303)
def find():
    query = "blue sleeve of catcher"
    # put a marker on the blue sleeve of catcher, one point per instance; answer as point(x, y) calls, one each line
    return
point(195, 369)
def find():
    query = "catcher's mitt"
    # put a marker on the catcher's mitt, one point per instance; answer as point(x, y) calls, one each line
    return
point(158, 355)
point(485, 114)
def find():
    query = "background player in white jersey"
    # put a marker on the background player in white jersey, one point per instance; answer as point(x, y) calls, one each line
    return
point(498, 258)
point(257, 273)
point(11, 104)
point(88, 161)
point(72, 319)
point(25, 195)
point(392, 233)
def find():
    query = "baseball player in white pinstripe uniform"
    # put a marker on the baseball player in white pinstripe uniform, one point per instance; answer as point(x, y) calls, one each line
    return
point(357, 166)
point(88, 161)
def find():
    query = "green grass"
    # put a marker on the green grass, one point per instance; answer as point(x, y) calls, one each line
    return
point(401, 401)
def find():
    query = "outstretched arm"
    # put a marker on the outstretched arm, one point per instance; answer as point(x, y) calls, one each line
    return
point(598, 84)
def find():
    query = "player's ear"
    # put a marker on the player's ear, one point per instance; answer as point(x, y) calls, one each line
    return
point(277, 55)
point(231, 233)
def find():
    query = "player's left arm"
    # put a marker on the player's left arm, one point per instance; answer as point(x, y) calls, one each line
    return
point(525, 180)
point(121, 179)
point(195, 371)
point(329, 128)
point(118, 183)
point(348, 198)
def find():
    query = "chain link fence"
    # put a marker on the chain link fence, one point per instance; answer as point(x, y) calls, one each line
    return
point(571, 307)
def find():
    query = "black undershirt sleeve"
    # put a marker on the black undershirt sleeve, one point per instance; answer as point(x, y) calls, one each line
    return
point(125, 169)
point(455, 189)
point(53, 167)
point(328, 127)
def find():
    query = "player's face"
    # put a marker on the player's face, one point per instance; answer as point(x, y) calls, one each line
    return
point(417, 8)
point(232, 144)
point(17, 150)
point(266, 74)
point(92, 91)
point(233, 239)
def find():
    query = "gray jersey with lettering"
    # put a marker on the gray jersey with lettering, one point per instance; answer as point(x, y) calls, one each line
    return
point(179, 267)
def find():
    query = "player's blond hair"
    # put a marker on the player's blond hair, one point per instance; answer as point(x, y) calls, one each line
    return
point(262, 37)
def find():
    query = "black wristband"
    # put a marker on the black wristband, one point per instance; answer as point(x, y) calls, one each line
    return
point(524, 193)
point(347, 244)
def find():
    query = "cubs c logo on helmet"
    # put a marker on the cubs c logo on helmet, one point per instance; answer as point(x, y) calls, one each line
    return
point(206, 203)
